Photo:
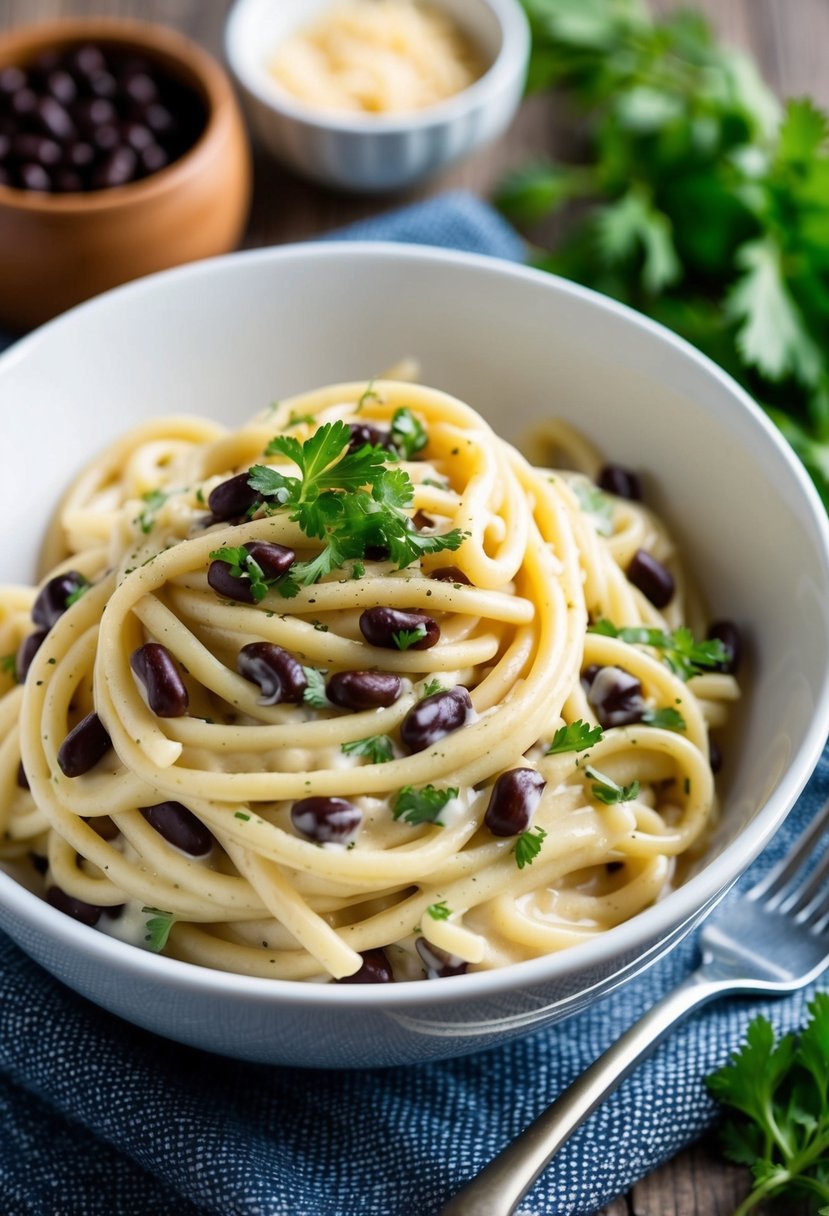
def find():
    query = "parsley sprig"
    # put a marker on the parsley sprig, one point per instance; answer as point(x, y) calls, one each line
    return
point(422, 806)
point(406, 638)
point(440, 911)
point(350, 500)
point(606, 790)
point(153, 500)
point(243, 565)
point(408, 433)
point(667, 718)
point(158, 928)
point(528, 846)
point(574, 737)
point(377, 749)
point(678, 650)
point(779, 1093)
point(314, 692)
point(8, 665)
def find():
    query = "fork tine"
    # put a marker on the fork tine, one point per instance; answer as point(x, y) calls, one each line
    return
point(794, 902)
point(774, 887)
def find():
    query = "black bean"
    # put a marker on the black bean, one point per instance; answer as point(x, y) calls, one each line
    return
point(50, 604)
point(375, 970)
point(615, 479)
point(180, 827)
point(379, 626)
point(434, 717)
point(87, 60)
point(87, 914)
point(53, 118)
point(26, 652)
point(34, 177)
point(653, 579)
point(79, 154)
point(103, 826)
point(102, 84)
point(94, 112)
point(327, 820)
point(363, 689)
point(22, 779)
point(38, 149)
point(61, 86)
point(273, 560)
point(438, 963)
point(141, 88)
point(153, 158)
point(450, 574)
point(729, 634)
point(589, 674)
point(616, 697)
point(233, 497)
point(138, 138)
point(363, 433)
point(67, 181)
point(116, 169)
point(714, 756)
point(84, 746)
point(157, 671)
point(278, 674)
point(5, 145)
point(12, 79)
point(106, 139)
point(513, 800)
point(227, 585)
point(24, 102)
point(159, 120)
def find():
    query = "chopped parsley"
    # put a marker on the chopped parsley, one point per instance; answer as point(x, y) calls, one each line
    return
point(423, 805)
point(574, 737)
point(154, 500)
point(431, 687)
point(158, 928)
point(666, 719)
point(368, 395)
point(595, 503)
point(314, 693)
point(357, 570)
point(679, 651)
point(439, 911)
point(408, 434)
point(606, 790)
point(347, 499)
point(405, 638)
point(8, 665)
point(299, 419)
point(243, 815)
point(81, 589)
point(528, 846)
point(376, 748)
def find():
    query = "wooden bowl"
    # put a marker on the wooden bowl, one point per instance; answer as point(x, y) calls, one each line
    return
point(59, 249)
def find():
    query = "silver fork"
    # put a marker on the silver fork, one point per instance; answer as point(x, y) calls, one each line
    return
point(772, 940)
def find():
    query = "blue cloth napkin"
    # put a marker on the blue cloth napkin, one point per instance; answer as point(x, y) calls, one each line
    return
point(101, 1118)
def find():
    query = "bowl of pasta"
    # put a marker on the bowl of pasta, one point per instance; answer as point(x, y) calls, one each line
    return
point(374, 690)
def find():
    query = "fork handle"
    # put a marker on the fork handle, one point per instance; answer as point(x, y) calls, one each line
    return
point(497, 1189)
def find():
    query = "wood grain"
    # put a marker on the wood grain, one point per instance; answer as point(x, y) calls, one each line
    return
point(789, 41)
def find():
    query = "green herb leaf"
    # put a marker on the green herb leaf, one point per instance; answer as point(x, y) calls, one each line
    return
point(314, 693)
point(299, 419)
point(595, 503)
point(405, 638)
point(158, 928)
point(679, 651)
point(155, 500)
point(779, 1091)
point(607, 791)
point(528, 846)
point(666, 719)
point(81, 590)
point(440, 911)
point(408, 433)
point(8, 665)
point(574, 737)
point(423, 805)
point(377, 749)
point(431, 687)
point(368, 395)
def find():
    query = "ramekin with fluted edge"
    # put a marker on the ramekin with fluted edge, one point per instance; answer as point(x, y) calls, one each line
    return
point(374, 152)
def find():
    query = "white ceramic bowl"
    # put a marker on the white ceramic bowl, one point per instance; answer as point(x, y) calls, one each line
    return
point(224, 338)
point(377, 152)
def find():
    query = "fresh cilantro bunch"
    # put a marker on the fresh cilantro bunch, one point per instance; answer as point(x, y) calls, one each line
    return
point(779, 1092)
point(700, 204)
point(350, 500)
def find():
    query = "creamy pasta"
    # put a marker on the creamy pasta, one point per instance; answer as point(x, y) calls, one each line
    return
point(356, 692)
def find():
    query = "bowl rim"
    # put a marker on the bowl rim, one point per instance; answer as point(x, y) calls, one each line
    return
point(511, 60)
point(657, 923)
point(207, 77)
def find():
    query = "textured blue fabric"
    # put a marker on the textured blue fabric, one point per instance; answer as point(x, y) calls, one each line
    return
point(99, 1117)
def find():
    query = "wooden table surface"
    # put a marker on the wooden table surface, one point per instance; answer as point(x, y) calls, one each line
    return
point(790, 41)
